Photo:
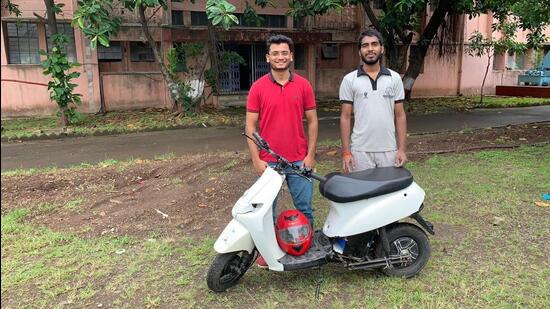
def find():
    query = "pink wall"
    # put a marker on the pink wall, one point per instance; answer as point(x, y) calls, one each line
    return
point(124, 92)
point(24, 99)
point(440, 75)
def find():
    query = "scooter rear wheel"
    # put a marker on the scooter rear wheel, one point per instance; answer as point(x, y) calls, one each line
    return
point(409, 243)
point(227, 269)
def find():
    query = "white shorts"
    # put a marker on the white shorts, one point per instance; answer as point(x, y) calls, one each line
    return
point(365, 160)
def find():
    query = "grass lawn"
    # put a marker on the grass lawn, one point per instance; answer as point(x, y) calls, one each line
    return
point(120, 122)
point(133, 121)
point(474, 263)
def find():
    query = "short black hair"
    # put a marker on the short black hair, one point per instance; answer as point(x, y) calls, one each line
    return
point(279, 39)
point(370, 32)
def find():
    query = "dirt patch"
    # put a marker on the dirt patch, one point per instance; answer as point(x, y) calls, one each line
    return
point(190, 195)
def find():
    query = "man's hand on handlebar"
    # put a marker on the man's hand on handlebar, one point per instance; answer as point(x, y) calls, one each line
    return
point(259, 166)
point(309, 162)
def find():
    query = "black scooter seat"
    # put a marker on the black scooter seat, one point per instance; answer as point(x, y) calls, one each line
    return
point(345, 188)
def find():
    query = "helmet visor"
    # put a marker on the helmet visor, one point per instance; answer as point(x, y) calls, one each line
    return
point(294, 234)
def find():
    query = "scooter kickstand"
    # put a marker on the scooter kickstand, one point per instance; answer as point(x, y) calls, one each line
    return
point(385, 246)
point(319, 282)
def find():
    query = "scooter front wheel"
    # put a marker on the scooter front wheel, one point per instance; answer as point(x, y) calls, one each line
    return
point(409, 244)
point(227, 269)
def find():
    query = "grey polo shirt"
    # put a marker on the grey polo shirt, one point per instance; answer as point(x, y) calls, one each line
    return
point(373, 106)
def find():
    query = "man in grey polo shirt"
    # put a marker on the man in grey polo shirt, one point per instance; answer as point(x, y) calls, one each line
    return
point(375, 96)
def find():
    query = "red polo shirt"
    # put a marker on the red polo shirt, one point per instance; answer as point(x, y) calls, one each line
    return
point(281, 111)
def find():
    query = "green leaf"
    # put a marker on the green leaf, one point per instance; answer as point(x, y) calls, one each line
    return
point(234, 19)
point(103, 40)
point(217, 20)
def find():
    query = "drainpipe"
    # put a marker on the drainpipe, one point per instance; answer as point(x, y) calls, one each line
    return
point(460, 54)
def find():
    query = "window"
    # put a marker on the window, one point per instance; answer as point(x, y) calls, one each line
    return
point(22, 43)
point(267, 21)
point(66, 29)
point(181, 61)
point(378, 4)
point(329, 51)
point(520, 61)
point(299, 22)
point(511, 62)
point(274, 21)
point(111, 53)
point(140, 51)
point(199, 19)
point(299, 57)
point(177, 18)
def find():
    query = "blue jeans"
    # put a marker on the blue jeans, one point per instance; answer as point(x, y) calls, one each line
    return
point(301, 191)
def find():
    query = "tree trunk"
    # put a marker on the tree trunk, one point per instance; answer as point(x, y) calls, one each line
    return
point(173, 87)
point(52, 27)
point(417, 55)
point(484, 78)
point(214, 57)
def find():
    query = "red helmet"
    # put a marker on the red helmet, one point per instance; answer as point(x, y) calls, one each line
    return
point(294, 233)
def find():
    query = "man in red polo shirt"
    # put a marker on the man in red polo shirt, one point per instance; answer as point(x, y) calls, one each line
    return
point(278, 101)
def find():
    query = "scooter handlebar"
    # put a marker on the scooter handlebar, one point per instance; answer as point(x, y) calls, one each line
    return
point(307, 172)
point(260, 140)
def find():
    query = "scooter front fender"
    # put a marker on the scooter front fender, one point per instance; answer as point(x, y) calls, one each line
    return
point(235, 237)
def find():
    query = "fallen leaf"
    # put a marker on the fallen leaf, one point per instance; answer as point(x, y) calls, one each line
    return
point(542, 204)
point(522, 139)
point(208, 190)
point(115, 201)
point(332, 153)
point(202, 205)
point(497, 220)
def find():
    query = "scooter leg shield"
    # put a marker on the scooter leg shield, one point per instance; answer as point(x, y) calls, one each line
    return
point(235, 237)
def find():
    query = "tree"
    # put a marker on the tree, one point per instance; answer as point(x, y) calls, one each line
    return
point(95, 20)
point(13, 9)
point(56, 64)
point(480, 46)
point(511, 16)
point(401, 20)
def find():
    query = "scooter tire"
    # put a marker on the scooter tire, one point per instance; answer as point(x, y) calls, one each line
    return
point(406, 230)
point(226, 270)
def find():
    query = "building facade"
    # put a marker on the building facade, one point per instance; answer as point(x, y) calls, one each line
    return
point(125, 75)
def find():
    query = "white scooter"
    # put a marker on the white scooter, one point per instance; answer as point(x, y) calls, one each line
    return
point(361, 231)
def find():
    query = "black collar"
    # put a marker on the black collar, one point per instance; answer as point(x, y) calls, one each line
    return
point(383, 71)
point(290, 78)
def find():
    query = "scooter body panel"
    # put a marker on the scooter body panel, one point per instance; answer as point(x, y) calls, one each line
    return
point(235, 237)
point(254, 212)
point(346, 219)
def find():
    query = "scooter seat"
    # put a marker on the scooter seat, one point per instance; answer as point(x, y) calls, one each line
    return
point(345, 188)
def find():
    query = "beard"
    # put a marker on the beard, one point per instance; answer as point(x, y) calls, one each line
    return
point(371, 62)
point(276, 69)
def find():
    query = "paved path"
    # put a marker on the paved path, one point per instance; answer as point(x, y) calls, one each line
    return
point(70, 151)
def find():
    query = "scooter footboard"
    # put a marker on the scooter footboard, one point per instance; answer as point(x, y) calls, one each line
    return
point(235, 237)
